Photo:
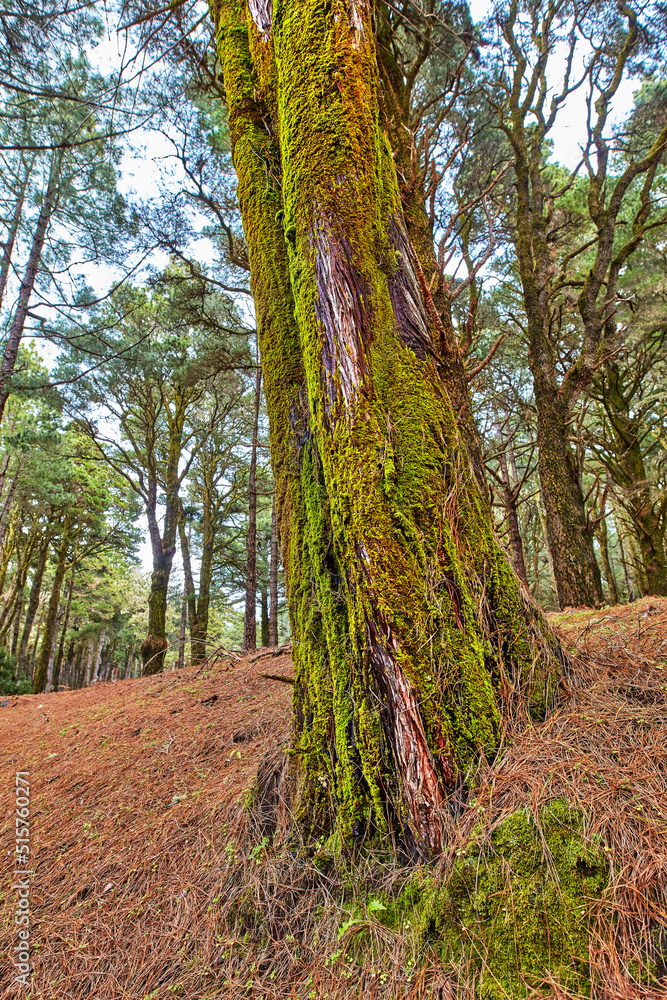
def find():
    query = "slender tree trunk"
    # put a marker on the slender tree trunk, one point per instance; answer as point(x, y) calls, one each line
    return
point(13, 608)
point(97, 660)
point(16, 630)
point(645, 507)
point(250, 621)
point(27, 285)
point(154, 646)
point(51, 622)
point(273, 580)
point(190, 609)
point(626, 575)
point(412, 634)
point(63, 634)
point(180, 663)
point(510, 494)
point(52, 653)
point(13, 228)
point(33, 605)
point(198, 654)
point(35, 645)
point(264, 618)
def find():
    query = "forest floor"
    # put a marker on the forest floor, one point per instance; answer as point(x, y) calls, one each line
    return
point(139, 793)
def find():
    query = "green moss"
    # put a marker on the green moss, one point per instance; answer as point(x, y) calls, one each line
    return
point(516, 908)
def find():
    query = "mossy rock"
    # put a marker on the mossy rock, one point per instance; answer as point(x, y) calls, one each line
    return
point(516, 908)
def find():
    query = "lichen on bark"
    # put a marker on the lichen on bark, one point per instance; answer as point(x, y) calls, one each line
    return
point(412, 635)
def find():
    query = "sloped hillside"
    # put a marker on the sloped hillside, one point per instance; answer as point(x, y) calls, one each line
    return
point(148, 883)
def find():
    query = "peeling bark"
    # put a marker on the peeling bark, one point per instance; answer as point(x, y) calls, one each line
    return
point(411, 633)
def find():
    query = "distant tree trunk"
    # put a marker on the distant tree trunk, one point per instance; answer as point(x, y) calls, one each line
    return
point(396, 116)
point(13, 607)
point(273, 579)
point(8, 499)
point(129, 661)
point(59, 659)
point(180, 663)
point(510, 488)
point(623, 456)
point(51, 622)
point(154, 646)
point(624, 563)
point(69, 673)
point(27, 285)
point(250, 621)
point(412, 634)
point(33, 605)
point(97, 659)
point(52, 653)
point(264, 617)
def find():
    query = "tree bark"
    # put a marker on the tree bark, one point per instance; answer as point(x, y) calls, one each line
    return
point(273, 579)
point(412, 635)
point(264, 619)
point(51, 622)
point(154, 646)
point(603, 539)
point(569, 535)
point(623, 456)
point(180, 663)
point(27, 285)
point(250, 620)
point(33, 605)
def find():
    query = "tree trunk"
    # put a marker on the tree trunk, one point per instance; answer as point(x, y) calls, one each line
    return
point(13, 228)
point(609, 576)
point(264, 619)
point(154, 646)
point(61, 648)
point(189, 599)
point(33, 605)
point(180, 663)
point(27, 285)
point(623, 455)
point(624, 563)
point(97, 655)
point(250, 621)
point(575, 568)
point(510, 495)
point(51, 623)
point(412, 635)
point(8, 499)
point(273, 580)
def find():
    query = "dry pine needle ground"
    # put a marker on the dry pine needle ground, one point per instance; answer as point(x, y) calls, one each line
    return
point(146, 884)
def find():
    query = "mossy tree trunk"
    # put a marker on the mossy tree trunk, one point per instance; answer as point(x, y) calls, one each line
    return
point(250, 620)
point(411, 632)
point(623, 451)
point(33, 605)
point(273, 579)
point(154, 646)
